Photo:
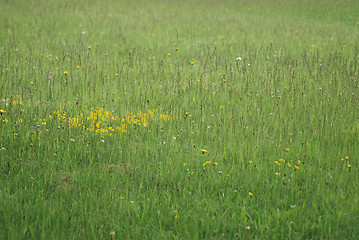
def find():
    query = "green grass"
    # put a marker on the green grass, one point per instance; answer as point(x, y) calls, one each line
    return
point(114, 144)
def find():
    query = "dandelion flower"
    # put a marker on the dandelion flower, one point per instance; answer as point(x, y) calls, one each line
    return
point(203, 150)
point(349, 165)
point(192, 63)
point(132, 201)
point(250, 194)
point(66, 72)
point(89, 47)
point(168, 54)
point(296, 167)
point(287, 149)
point(277, 173)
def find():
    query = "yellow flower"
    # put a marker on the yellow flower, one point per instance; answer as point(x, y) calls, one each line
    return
point(115, 45)
point(168, 54)
point(77, 66)
point(346, 157)
point(66, 72)
point(296, 167)
point(192, 63)
point(2, 111)
point(342, 159)
point(203, 150)
point(132, 201)
point(279, 97)
point(89, 47)
point(250, 161)
point(106, 54)
point(349, 165)
point(216, 163)
point(277, 173)
point(184, 164)
point(250, 194)
point(287, 149)
point(176, 48)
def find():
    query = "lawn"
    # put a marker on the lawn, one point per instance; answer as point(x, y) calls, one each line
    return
point(179, 119)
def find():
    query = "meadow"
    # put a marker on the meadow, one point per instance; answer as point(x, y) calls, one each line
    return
point(179, 119)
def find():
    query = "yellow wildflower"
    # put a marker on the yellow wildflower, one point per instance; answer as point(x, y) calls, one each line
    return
point(66, 72)
point(203, 150)
point(250, 194)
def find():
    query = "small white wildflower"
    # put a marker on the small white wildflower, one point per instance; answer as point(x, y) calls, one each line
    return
point(239, 58)
point(174, 138)
point(72, 140)
point(220, 172)
point(102, 140)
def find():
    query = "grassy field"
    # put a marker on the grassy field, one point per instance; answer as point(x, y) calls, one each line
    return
point(179, 119)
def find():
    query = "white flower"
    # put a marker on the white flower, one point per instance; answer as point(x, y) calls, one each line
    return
point(102, 140)
point(239, 58)
point(72, 140)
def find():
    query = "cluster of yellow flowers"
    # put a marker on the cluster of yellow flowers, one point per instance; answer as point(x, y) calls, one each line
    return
point(209, 162)
point(346, 160)
point(288, 163)
point(14, 100)
point(103, 122)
